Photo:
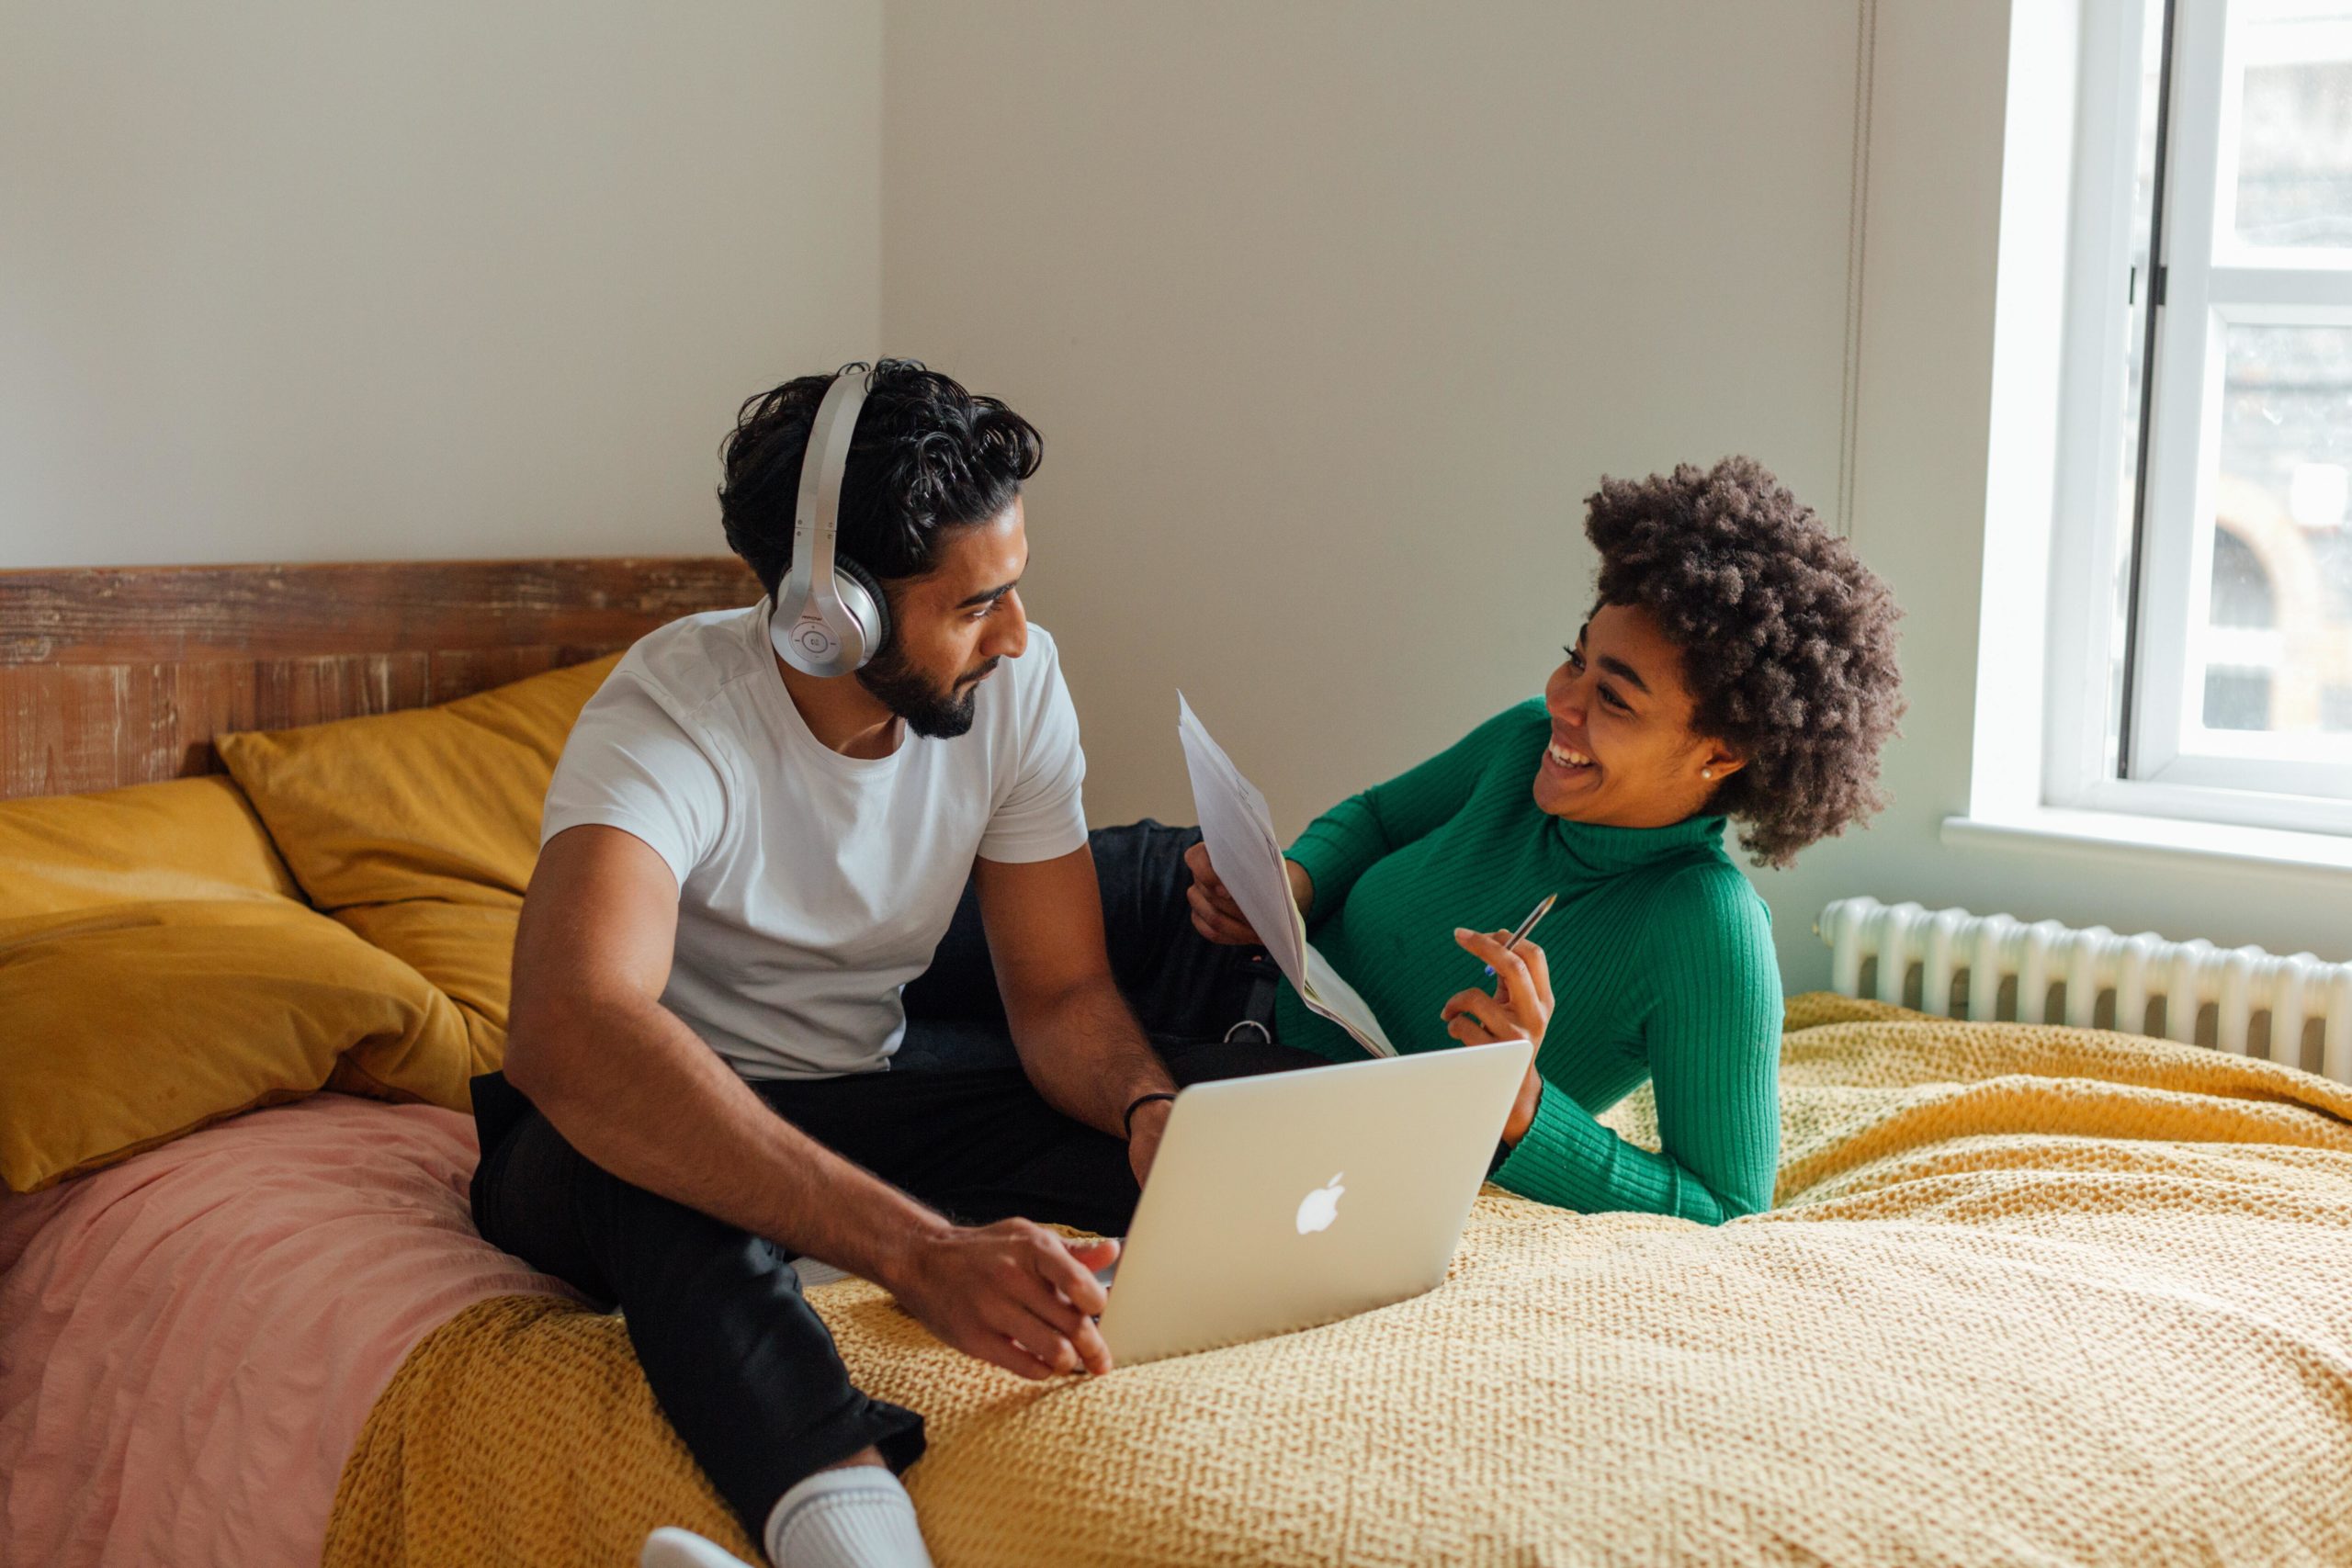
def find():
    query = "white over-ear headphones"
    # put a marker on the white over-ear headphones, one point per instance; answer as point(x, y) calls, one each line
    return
point(830, 617)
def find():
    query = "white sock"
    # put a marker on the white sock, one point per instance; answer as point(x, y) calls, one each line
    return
point(670, 1547)
point(854, 1517)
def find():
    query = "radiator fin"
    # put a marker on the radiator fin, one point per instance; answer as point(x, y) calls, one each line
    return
point(1987, 966)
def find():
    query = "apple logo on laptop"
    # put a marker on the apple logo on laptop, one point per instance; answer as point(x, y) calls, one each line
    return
point(1320, 1207)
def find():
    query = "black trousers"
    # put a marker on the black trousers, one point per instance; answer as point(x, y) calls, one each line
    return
point(741, 1364)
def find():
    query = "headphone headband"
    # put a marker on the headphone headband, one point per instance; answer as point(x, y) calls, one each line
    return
point(827, 620)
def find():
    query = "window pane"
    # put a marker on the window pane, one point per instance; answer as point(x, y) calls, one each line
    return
point(2294, 141)
point(2277, 645)
point(2236, 699)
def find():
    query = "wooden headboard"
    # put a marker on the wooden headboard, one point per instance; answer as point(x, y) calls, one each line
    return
point(118, 675)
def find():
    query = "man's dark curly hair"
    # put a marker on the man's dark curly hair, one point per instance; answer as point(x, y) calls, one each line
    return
point(927, 456)
point(1787, 640)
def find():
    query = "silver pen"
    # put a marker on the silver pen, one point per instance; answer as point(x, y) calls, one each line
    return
point(1526, 926)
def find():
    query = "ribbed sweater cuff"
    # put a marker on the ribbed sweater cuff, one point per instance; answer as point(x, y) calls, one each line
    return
point(1560, 1156)
point(1567, 1159)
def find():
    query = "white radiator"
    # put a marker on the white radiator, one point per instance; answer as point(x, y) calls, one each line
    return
point(2138, 972)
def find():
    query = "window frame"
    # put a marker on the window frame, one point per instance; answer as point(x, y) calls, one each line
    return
point(2142, 749)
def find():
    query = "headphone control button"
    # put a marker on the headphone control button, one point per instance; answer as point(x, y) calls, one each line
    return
point(812, 638)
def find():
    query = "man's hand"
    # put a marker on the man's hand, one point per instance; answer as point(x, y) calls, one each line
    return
point(1150, 1125)
point(1215, 915)
point(1013, 1294)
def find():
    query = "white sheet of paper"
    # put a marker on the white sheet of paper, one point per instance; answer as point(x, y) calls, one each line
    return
point(1331, 996)
point(1239, 832)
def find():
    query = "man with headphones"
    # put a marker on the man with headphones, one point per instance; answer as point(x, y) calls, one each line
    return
point(758, 834)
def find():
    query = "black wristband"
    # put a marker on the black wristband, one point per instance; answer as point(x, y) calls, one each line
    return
point(1128, 1121)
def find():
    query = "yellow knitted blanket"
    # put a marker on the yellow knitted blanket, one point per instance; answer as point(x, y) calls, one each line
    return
point(2031, 1294)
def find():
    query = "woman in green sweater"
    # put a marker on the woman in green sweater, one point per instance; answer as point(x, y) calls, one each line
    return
point(1738, 664)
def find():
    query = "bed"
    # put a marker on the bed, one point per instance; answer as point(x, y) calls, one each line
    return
point(2027, 1293)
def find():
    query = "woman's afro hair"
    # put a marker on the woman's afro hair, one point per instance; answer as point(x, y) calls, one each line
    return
point(1787, 640)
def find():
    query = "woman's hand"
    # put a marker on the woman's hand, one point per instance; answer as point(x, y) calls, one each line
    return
point(1520, 1009)
point(1215, 914)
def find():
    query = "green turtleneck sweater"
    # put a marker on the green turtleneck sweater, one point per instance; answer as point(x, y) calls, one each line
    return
point(1661, 957)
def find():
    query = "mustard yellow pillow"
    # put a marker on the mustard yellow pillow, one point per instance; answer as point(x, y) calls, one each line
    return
point(181, 840)
point(465, 949)
point(419, 829)
point(125, 1024)
point(432, 803)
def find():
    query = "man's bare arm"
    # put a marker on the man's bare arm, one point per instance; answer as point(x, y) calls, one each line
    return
point(1078, 1038)
point(638, 1093)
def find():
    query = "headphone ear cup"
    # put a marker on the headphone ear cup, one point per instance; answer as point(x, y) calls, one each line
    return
point(863, 597)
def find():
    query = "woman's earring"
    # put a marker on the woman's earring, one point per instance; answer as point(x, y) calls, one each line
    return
point(1706, 773)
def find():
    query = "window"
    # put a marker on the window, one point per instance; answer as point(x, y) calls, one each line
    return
point(2206, 443)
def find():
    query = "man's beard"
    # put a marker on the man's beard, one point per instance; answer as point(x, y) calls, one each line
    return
point(907, 692)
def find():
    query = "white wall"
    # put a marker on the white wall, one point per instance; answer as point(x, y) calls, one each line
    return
point(1333, 315)
point(294, 281)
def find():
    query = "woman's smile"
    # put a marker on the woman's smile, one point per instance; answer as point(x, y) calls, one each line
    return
point(1569, 763)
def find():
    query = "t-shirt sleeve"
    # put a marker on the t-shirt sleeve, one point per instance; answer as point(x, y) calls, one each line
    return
point(630, 764)
point(1042, 813)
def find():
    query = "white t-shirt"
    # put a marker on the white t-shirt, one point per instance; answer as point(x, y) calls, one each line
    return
point(811, 886)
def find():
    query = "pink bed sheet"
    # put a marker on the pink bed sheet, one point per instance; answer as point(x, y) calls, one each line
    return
point(190, 1341)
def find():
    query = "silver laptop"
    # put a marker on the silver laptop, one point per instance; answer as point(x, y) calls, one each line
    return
point(1297, 1199)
